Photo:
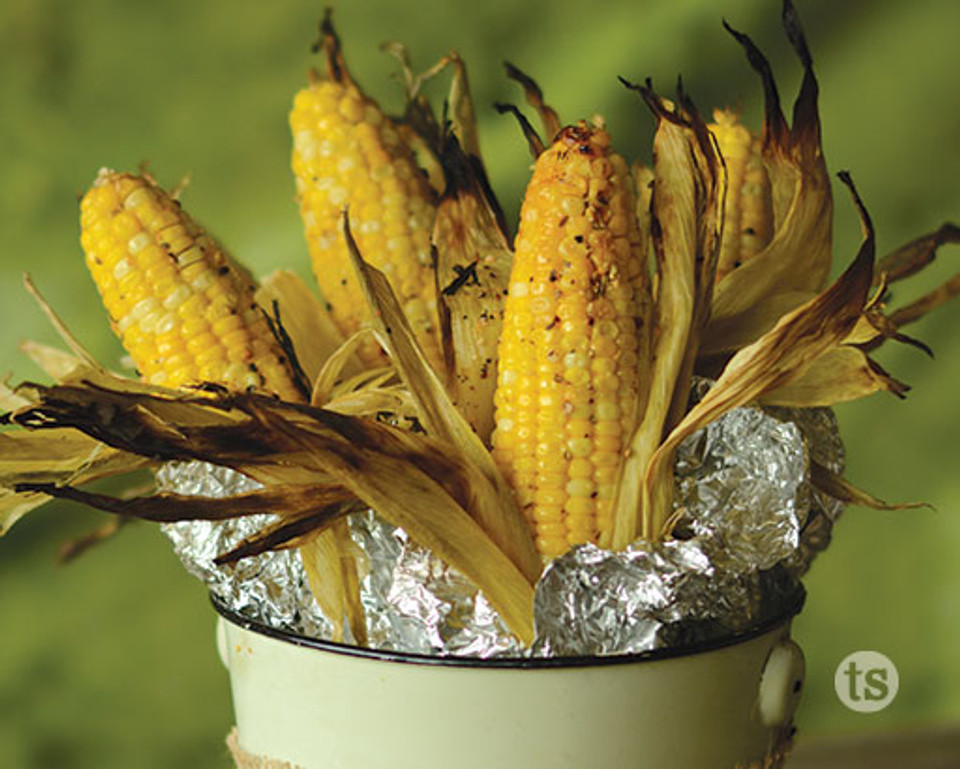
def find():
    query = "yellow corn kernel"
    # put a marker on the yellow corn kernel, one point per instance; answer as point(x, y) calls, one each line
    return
point(747, 207)
point(348, 155)
point(565, 362)
point(181, 320)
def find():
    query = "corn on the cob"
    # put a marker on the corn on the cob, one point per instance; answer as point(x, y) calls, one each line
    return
point(183, 309)
point(348, 155)
point(568, 353)
point(747, 208)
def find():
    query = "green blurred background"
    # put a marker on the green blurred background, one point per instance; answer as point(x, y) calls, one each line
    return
point(109, 661)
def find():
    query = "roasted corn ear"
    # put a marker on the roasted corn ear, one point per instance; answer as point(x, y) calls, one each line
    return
point(568, 376)
point(348, 155)
point(183, 309)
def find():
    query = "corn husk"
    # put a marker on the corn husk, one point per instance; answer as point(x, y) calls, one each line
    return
point(492, 501)
point(316, 347)
point(842, 374)
point(795, 265)
point(840, 488)
point(775, 360)
point(549, 119)
point(470, 244)
point(305, 320)
point(912, 257)
point(57, 457)
point(686, 241)
point(307, 458)
point(473, 271)
point(330, 560)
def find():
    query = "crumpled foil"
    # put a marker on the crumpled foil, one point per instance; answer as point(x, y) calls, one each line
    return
point(749, 524)
point(412, 601)
point(822, 435)
point(271, 588)
point(741, 484)
point(415, 603)
point(593, 602)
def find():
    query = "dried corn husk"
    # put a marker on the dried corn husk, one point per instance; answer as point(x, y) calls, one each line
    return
point(842, 374)
point(795, 265)
point(549, 119)
point(839, 488)
point(313, 463)
point(491, 499)
point(686, 241)
point(56, 457)
point(775, 360)
point(330, 560)
point(473, 271)
point(304, 319)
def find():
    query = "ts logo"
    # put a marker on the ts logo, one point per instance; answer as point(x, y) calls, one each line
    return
point(866, 681)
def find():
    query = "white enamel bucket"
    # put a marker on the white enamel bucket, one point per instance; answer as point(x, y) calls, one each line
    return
point(320, 705)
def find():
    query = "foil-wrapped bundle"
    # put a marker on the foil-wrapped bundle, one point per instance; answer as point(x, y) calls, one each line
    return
point(741, 487)
point(414, 602)
point(594, 602)
point(271, 588)
point(748, 524)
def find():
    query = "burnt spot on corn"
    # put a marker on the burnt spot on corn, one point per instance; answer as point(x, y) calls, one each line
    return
point(464, 276)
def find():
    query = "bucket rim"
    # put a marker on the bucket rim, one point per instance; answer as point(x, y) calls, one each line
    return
point(781, 618)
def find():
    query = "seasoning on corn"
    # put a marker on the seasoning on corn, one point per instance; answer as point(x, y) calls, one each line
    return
point(568, 353)
point(348, 155)
point(747, 206)
point(183, 309)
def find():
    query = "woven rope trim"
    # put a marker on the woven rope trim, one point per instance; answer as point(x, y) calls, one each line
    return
point(245, 760)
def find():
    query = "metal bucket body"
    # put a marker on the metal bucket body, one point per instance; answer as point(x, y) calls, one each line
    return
point(320, 705)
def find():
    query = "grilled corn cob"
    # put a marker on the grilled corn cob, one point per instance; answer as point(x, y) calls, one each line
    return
point(182, 308)
point(567, 381)
point(747, 207)
point(348, 155)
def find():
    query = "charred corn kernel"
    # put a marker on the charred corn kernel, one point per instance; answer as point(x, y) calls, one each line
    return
point(182, 308)
point(348, 155)
point(568, 360)
point(747, 207)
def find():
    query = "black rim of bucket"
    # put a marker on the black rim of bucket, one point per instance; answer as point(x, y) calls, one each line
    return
point(790, 610)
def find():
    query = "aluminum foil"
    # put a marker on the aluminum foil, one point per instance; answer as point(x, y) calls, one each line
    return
point(741, 487)
point(822, 436)
point(749, 525)
point(414, 602)
point(594, 602)
point(271, 588)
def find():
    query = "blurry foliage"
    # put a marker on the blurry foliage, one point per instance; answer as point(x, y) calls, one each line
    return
point(109, 661)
